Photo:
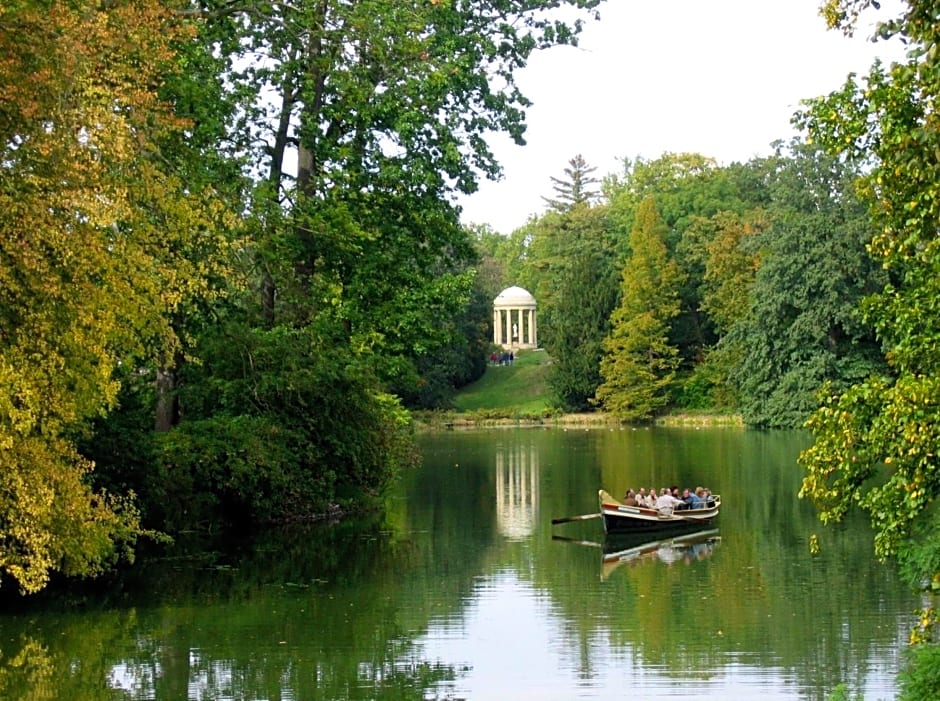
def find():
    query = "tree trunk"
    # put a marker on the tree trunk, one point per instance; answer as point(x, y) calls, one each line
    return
point(167, 410)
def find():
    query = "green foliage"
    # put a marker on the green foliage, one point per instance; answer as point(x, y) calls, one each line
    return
point(575, 188)
point(288, 429)
point(876, 424)
point(919, 557)
point(690, 190)
point(236, 469)
point(579, 321)
point(706, 387)
point(803, 325)
point(730, 265)
point(920, 677)
point(876, 442)
point(639, 363)
point(94, 216)
point(685, 186)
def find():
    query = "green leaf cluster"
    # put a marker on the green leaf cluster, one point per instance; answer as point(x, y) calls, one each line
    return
point(876, 442)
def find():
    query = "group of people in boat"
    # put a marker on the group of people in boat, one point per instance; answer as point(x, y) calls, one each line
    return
point(669, 498)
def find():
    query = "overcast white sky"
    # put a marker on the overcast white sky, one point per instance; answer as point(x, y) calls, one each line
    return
point(716, 77)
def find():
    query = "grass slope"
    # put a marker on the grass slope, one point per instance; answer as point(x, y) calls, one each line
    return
point(520, 388)
point(520, 392)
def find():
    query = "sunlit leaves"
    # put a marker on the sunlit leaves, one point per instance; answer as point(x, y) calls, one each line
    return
point(88, 270)
point(730, 266)
point(877, 443)
point(639, 363)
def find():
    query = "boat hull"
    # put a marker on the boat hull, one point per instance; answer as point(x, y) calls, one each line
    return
point(620, 518)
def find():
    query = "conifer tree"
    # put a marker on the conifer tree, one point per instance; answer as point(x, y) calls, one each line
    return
point(639, 363)
point(575, 187)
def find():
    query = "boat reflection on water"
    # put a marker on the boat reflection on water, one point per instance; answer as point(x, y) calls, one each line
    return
point(687, 548)
point(634, 548)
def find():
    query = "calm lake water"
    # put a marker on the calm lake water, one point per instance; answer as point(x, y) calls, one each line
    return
point(463, 589)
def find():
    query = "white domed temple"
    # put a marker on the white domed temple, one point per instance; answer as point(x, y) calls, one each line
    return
point(514, 323)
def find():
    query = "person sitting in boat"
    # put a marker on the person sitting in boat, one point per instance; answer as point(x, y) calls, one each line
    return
point(629, 499)
point(706, 497)
point(692, 500)
point(651, 499)
point(666, 503)
point(641, 497)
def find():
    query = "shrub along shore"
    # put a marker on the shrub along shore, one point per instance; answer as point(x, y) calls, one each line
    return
point(450, 420)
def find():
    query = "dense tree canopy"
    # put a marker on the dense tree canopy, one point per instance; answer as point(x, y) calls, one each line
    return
point(876, 443)
point(639, 363)
point(803, 326)
point(94, 223)
point(233, 223)
point(688, 188)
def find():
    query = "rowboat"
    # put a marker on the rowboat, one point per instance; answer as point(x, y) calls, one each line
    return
point(620, 518)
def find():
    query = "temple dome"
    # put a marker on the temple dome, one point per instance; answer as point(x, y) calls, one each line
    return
point(514, 297)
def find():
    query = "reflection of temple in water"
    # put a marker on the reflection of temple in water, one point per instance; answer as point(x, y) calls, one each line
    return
point(517, 490)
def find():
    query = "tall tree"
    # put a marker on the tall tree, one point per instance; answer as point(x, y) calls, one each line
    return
point(803, 325)
point(876, 443)
point(91, 275)
point(580, 320)
point(639, 363)
point(386, 104)
point(575, 188)
point(572, 263)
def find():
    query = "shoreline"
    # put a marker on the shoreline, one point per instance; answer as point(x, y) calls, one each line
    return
point(450, 421)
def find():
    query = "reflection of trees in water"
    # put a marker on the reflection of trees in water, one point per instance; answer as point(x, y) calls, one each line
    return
point(334, 612)
point(298, 614)
point(759, 597)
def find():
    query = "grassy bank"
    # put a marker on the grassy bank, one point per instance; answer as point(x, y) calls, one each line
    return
point(518, 394)
point(520, 388)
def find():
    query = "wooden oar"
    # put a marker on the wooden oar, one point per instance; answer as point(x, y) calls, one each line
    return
point(582, 517)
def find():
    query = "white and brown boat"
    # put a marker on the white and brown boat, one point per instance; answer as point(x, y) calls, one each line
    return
point(620, 518)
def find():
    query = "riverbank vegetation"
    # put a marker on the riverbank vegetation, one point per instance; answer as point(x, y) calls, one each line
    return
point(230, 257)
point(232, 271)
point(518, 394)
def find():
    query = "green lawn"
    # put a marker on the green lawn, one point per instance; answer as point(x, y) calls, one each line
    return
point(519, 388)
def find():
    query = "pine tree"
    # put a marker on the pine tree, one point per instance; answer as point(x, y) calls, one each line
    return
point(575, 188)
point(639, 364)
